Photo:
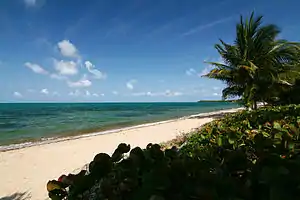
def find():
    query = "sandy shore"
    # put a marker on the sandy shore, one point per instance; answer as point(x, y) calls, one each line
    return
point(26, 171)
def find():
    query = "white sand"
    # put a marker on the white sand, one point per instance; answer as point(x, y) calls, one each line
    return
point(28, 170)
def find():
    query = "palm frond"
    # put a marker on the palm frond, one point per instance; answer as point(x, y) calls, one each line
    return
point(257, 63)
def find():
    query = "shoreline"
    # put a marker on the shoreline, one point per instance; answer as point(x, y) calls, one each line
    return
point(27, 170)
point(43, 141)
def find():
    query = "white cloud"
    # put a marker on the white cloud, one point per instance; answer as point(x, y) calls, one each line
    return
point(65, 67)
point(87, 93)
point(190, 72)
point(139, 94)
point(216, 88)
point(209, 67)
point(167, 93)
point(206, 70)
point(18, 94)
point(97, 95)
point(216, 94)
point(153, 94)
point(147, 94)
point(45, 91)
point(36, 68)
point(130, 84)
point(75, 93)
point(68, 49)
point(91, 68)
point(58, 77)
point(30, 2)
point(115, 92)
point(83, 82)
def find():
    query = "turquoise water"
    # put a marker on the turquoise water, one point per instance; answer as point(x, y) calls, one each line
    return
point(23, 122)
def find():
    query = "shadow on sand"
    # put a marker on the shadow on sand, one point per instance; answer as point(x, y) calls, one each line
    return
point(17, 196)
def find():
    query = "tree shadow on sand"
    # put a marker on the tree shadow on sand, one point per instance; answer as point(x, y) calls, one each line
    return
point(17, 196)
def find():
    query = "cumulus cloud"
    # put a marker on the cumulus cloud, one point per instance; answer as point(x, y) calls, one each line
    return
point(167, 93)
point(130, 84)
point(87, 93)
point(74, 93)
point(145, 94)
point(83, 82)
point(190, 72)
point(58, 77)
point(45, 91)
point(18, 94)
point(65, 67)
point(216, 94)
point(36, 68)
point(97, 95)
point(92, 69)
point(68, 49)
point(148, 94)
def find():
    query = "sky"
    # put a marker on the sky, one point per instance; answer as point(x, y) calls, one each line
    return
point(122, 51)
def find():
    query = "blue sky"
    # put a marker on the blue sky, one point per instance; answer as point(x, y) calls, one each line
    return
point(115, 50)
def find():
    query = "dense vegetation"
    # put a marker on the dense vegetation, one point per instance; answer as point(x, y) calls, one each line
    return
point(247, 155)
point(257, 67)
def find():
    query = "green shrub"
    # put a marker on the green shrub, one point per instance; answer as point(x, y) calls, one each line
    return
point(279, 123)
point(247, 155)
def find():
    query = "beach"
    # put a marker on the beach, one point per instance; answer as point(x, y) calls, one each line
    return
point(27, 170)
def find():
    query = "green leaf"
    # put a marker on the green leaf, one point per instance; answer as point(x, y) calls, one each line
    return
point(278, 135)
point(276, 125)
point(265, 134)
point(231, 140)
point(220, 141)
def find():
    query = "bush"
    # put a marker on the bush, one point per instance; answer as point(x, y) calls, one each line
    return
point(275, 123)
point(247, 155)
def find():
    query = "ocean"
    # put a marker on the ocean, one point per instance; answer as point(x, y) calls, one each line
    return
point(23, 123)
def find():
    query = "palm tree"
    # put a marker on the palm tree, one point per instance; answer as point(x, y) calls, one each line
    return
point(256, 63)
